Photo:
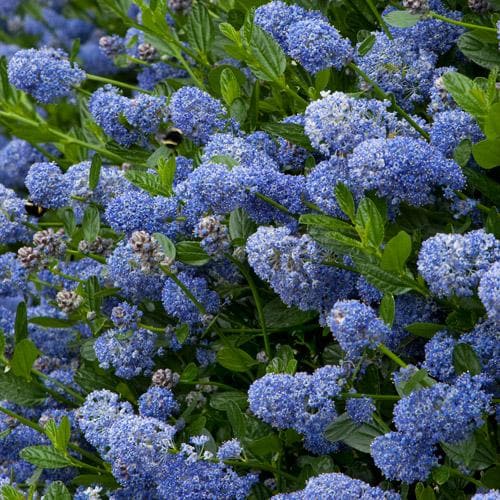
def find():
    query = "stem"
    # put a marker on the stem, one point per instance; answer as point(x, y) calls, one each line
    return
point(64, 387)
point(379, 397)
point(116, 83)
point(258, 304)
point(385, 350)
point(39, 428)
point(215, 384)
point(448, 20)
point(294, 94)
point(67, 138)
point(98, 258)
point(275, 204)
point(151, 328)
point(380, 19)
point(479, 206)
point(185, 289)
point(257, 465)
point(467, 478)
point(378, 91)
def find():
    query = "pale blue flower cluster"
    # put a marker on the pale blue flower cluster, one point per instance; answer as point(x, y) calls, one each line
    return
point(333, 484)
point(46, 74)
point(179, 305)
point(293, 267)
point(302, 402)
point(125, 120)
point(356, 327)
point(453, 264)
point(130, 352)
point(440, 413)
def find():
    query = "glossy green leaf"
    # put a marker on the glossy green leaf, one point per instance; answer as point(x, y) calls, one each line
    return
point(396, 253)
point(46, 457)
point(25, 354)
point(234, 359)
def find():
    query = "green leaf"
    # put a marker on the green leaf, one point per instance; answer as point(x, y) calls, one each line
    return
point(425, 330)
point(106, 480)
point(418, 380)
point(402, 19)
point(68, 219)
point(166, 173)
point(221, 400)
point(326, 222)
point(322, 78)
point(182, 333)
point(492, 224)
point(441, 474)
point(284, 362)
point(23, 358)
point(366, 45)
point(240, 225)
point(167, 245)
point(48, 322)
point(230, 32)
point(95, 171)
point(465, 360)
point(362, 438)
point(396, 253)
point(270, 59)
point(147, 181)
point(87, 350)
point(491, 478)
point(487, 153)
point(189, 373)
point(469, 96)
point(11, 493)
point(200, 29)
point(229, 86)
point(17, 390)
point(45, 456)
point(234, 359)
point(461, 453)
point(387, 309)
point(266, 445)
point(279, 315)
point(21, 323)
point(340, 428)
point(462, 152)
point(369, 223)
point(385, 281)
point(57, 491)
point(292, 132)
point(75, 48)
point(236, 419)
point(190, 252)
point(345, 200)
point(91, 223)
point(492, 122)
point(476, 49)
point(484, 184)
point(424, 492)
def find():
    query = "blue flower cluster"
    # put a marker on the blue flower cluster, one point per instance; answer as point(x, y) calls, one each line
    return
point(302, 402)
point(192, 270)
point(142, 454)
point(125, 120)
point(46, 74)
point(293, 267)
point(440, 413)
point(453, 264)
point(304, 35)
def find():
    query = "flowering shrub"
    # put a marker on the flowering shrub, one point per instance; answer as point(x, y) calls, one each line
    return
point(249, 250)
